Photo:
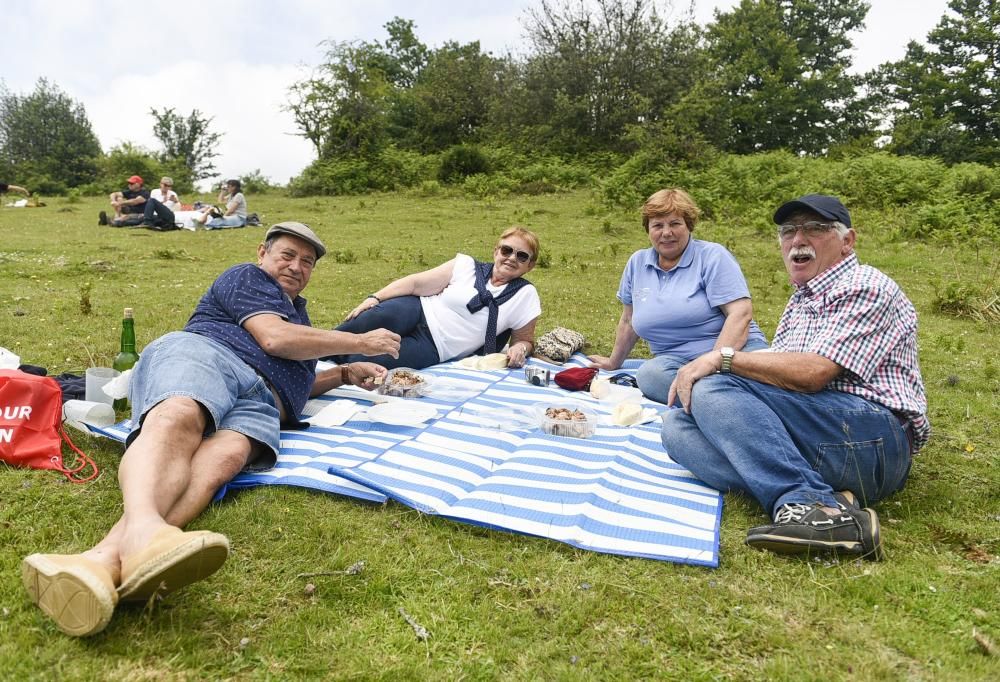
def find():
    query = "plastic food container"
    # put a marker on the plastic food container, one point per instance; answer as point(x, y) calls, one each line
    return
point(561, 418)
point(403, 382)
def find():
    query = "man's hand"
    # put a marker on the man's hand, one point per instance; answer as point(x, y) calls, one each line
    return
point(380, 342)
point(364, 374)
point(683, 384)
point(602, 362)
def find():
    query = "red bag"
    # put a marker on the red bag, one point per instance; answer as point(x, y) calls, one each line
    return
point(576, 379)
point(31, 430)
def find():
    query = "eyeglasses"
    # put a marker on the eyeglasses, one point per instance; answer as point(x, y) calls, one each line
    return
point(813, 228)
point(522, 256)
point(165, 184)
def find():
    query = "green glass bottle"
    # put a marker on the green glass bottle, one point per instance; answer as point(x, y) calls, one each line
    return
point(127, 357)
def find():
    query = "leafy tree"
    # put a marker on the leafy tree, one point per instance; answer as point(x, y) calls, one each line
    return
point(342, 108)
point(947, 96)
point(780, 76)
point(596, 69)
point(46, 135)
point(187, 140)
point(450, 101)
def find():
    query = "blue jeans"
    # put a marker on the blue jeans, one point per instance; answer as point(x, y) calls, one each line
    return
point(225, 221)
point(656, 375)
point(782, 446)
point(403, 315)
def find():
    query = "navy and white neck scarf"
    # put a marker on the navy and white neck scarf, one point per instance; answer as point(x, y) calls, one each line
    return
point(484, 298)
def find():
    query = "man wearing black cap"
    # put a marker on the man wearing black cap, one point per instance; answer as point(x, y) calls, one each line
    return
point(207, 403)
point(826, 422)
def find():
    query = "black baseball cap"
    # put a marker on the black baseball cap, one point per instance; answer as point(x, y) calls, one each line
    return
point(300, 230)
point(823, 204)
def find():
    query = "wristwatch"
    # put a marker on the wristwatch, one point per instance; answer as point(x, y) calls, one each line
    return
point(727, 353)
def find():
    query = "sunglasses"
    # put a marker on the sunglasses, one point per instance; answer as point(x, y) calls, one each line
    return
point(813, 228)
point(522, 256)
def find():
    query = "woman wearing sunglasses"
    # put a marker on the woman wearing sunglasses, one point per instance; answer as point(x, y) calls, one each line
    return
point(683, 296)
point(460, 308)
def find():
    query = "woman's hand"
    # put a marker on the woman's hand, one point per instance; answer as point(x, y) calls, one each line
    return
point(602, 362)
point(366, 304)
point(516, 355)
point(364, 374)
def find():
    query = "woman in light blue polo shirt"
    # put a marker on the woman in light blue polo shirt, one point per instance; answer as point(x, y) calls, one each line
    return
point(683, 296)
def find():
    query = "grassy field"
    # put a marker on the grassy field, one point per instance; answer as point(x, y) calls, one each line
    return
point(497, 606)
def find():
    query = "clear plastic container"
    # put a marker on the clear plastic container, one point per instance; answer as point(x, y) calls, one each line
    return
point(403, 382)
point(570, 419)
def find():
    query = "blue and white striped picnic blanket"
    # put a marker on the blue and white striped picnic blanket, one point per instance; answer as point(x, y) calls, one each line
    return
point(480, 462)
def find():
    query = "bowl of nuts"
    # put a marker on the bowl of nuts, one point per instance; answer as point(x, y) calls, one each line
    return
point(571, 419)
point(403, 382)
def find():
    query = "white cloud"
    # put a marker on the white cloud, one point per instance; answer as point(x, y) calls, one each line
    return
point(244, 101)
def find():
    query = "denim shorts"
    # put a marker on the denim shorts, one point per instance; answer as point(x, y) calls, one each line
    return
point(196, 367)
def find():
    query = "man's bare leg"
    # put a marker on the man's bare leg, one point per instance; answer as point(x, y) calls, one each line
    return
point(183, 486)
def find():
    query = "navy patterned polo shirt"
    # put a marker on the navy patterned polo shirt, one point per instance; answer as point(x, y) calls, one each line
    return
point(235, 296)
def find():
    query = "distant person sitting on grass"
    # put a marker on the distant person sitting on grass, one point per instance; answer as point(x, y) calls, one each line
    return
point(234, 214)
point(825, 423)
point(129, 205)
point(207, 402)
point(160, 207)
point(166, 195)
point(4, 188)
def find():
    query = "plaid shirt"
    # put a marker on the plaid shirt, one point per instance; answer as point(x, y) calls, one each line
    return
point(857, 317)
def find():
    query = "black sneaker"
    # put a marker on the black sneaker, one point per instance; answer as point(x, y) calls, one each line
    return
point(102, 218)
point(847, 499)
point(805, 529)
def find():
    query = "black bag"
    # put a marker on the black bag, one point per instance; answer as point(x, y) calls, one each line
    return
point(253, 220)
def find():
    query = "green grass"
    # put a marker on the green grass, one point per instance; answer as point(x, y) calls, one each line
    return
point(497, 605)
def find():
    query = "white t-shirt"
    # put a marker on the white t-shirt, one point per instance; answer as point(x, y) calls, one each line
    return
point(457, 332)
point(239, 202)
point(172, 201)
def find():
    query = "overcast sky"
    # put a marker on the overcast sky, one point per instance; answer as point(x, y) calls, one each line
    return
point(234, 61)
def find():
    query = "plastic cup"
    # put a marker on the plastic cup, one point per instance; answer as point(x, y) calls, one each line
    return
point(80, 412)
point(96, 378)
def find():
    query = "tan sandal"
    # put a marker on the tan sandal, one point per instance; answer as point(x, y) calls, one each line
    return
point(76, 593)
point(173, 559)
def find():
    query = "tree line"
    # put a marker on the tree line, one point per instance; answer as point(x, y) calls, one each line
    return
point(613, 75)
point(601, 81)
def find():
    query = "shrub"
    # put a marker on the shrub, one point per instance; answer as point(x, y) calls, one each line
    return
point(966, 300)
point(882, 180)
point(390, 169)
point(460, 162)
point(483, 186)
point(256, 182)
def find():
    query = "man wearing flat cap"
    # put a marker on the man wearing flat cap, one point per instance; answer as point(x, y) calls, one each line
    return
point(207, 402)
point(824, 424)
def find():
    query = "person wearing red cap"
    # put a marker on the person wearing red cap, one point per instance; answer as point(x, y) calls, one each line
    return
point(129, 205)
point(825, 423)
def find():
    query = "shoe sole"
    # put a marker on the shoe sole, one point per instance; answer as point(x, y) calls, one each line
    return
point(196, 559)
point(76, 601)
point(869, 548)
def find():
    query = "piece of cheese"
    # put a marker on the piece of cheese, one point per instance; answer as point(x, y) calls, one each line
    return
point(600, 388)
point(492, 361)
point(626, 414)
